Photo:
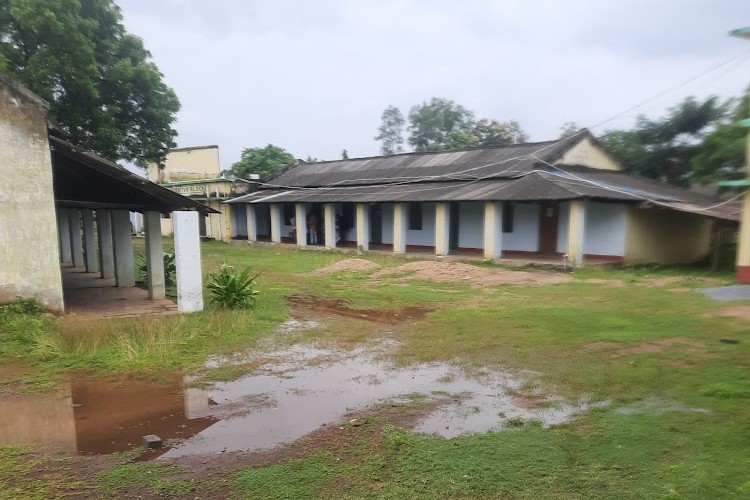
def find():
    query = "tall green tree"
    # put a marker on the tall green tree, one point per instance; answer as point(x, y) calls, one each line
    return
point(391, 130)
point(495, 133)
point(663, 149)
point(262, 161)
point(102, 86)
point(431, 123)
point(722, 154)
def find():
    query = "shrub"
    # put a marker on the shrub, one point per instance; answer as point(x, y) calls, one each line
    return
point(170, 270)
point(232, 289)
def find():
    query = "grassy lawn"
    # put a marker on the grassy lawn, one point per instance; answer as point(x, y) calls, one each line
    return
point(677, 423)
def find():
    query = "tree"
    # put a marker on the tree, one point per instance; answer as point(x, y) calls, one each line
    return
point(431, 123)
point(722, 155)
point(390, 132)
point(101, 84)
point(569, 129)
point(344, 154)
point(663, 149)
point(262, 161)
point(495, 133)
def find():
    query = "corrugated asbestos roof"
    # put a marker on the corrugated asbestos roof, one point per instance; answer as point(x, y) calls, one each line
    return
point(85, 180)
point(508, 173)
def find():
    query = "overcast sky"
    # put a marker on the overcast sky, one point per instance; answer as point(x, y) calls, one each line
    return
point(314, 76)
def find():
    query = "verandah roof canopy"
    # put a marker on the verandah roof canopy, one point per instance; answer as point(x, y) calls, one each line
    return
point(85, 180)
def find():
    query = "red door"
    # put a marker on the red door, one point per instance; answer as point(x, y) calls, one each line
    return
point(548, 228)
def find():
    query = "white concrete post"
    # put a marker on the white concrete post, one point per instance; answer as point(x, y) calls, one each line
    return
point(493, 230)
point(442, 228)
point(363, 227)
point(89, 242)
point(123, 244)
point(252, 222)
point(188, 261)
point(106, 247)
point(300, 214)
point(76, 242)
point(400, 223)
point(329, 224)
point(276, 222)
point(154, 255)
point(576, 232)
point(63, 231)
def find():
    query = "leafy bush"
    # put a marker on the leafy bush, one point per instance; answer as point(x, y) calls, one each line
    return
point(170, 270)
point(232, 289)
point(22, 323)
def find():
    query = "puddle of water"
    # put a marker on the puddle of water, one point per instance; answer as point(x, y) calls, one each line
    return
point(658, 406)
point(96, 416)
point(339, 308)
point(299, 394)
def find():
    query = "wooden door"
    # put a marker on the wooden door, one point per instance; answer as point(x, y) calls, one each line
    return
point(453, 226)
point(548, 220)
point(376, 224)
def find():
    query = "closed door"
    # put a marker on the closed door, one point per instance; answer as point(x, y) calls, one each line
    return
point(548, 218)
point(376, 224)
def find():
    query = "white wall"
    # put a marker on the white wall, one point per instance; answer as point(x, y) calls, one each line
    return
point(605, 229)
point(471, 224)
point(425, 236)
point(525, 235)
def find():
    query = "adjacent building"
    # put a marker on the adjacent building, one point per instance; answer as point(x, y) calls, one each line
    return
point(195, 172)
point(567, 199)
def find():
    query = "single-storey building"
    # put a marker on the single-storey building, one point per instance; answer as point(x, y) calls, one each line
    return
point(66, 210)
point(565, 199)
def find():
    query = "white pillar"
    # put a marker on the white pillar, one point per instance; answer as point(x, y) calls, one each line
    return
point(106, 248)
point(363, 227)
point(76, 242)
point(493, 230)
point(89, 242)
point(276, 222)
point(400, 223)
point(442, 228)
point(123, 244)
point(188, 261)
point(252, 222)
point(63, 231)
point(300, 214)
point(576, 232)
point(329, 224)
point(154, 255)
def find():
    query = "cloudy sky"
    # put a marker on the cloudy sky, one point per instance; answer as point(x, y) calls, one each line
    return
point(314, 76)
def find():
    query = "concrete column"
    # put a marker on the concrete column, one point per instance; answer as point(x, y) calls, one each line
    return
point(400, 223)
point(123, 244)
point(63, 232)
point(76, 242)
point(252, 222)
point(89, 242)
point(493, 230)
point(363, 227)
point(300, 214)
point(106, 247)
point(329, 224)
point(276, 222)
point(154, 255)
point(442, 228)
point(743, 241)
point(576, 232)
point(188, 261)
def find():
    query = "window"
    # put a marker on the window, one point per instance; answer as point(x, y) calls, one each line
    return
point(507, 217)
point(415, 216)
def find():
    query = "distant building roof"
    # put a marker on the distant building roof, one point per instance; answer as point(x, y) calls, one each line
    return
point(528, 172)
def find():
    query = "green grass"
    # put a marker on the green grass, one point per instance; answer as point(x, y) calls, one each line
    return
point(627, 340)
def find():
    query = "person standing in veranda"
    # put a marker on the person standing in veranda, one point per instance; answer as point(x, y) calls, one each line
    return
point(312, 228)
